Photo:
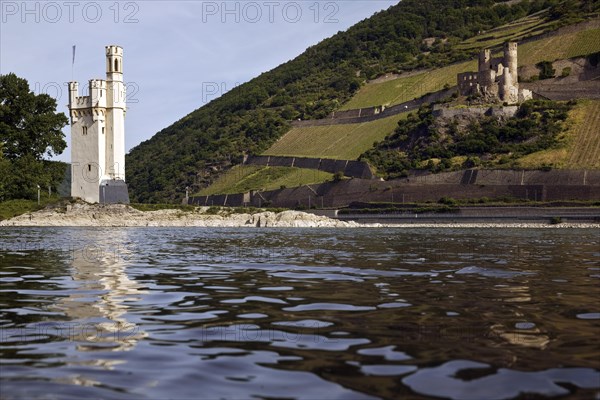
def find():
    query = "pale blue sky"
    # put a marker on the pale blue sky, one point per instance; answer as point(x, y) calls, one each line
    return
point(177, 54)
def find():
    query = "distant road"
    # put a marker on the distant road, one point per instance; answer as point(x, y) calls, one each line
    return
point(485, 214)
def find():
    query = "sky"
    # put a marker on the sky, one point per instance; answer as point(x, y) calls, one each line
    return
point(178, 55)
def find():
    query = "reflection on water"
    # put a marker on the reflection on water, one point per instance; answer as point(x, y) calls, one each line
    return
point(99, 304)
point(299, 313)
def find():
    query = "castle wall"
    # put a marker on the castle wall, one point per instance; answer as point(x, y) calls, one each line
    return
point(499, 112)
point(485, 57)
point(87, 157)
point(468, 83)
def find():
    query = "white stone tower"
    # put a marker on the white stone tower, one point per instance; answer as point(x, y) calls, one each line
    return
point(98, 135)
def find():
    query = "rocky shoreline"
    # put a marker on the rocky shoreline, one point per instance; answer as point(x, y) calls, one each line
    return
point(119, 215)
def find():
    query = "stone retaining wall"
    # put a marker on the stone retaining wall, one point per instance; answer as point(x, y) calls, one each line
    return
point(357, 116)
point(350, 168)
point(562, 92)
point(470, 184)
point(509, 177)
point(498, 112)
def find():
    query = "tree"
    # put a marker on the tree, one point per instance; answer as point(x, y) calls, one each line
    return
point(30, 129)
point(29, 124)
point(546, 70)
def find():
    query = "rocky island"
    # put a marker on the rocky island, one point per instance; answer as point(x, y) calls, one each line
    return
point(121, 215)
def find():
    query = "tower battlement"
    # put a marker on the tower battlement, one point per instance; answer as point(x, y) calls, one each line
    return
point(114, 49)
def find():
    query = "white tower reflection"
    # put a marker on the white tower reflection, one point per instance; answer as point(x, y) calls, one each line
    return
point(98, 308)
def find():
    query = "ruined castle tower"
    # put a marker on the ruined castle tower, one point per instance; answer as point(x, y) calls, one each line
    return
point(497, 79)
point(98, 135)
point(510, 62)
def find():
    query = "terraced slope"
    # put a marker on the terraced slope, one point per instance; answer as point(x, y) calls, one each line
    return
point(342, 142)
point(585, 151)
point(578, 41)
point(529, 26)
point(407, 88)
point(243, 178)
point(581, 149)
point(567, 45)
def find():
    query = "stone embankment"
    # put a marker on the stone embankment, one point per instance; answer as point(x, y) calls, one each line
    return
point(119, 215)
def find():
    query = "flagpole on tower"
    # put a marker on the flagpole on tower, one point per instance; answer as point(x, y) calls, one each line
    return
point(73, 65)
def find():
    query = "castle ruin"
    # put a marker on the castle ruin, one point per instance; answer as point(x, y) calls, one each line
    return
point(497, 78)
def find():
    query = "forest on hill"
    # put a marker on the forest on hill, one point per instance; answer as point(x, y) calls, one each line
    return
point(195, 150)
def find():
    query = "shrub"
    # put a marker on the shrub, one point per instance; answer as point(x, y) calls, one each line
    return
point(471, 162)
point(449, 201)
point(566, 72)
point(213, 210)
point(594, 59)
point(546, 70)
point(338, 176)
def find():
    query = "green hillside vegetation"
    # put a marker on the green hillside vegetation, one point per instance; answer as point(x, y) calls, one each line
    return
point(243, 178)
point(343, 142)
point(195, 150)
point(424, 142)
point(408, 88)
point(579, 146)
point(403, 89)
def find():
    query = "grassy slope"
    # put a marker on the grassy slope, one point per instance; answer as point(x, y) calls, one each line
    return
point(13, 208)
point(581, 149)
point(559, 47)
point(406, 88)
point(243, 178)
point(345, 142)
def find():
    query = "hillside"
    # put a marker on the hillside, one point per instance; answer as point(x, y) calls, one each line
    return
point(347, 141)
point(580, 147)
point(195, 150)
point(344, 142)
point(580, 41)
point(242, 178)
point(436, 142)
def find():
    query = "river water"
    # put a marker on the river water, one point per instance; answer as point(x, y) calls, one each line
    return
point(163, 313)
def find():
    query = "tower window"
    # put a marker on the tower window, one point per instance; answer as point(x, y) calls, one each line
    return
point(116, 65)
point(90, 167)
point(84, 130)
point(103, 130)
